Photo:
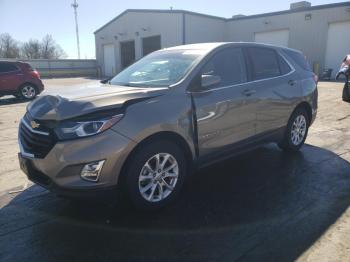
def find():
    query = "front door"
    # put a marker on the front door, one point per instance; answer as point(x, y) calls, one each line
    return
point(225, 112)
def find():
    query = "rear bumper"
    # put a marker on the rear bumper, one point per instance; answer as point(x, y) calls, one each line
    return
point(40, 86)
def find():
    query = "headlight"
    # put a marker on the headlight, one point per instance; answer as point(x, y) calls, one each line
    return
point(70, 129)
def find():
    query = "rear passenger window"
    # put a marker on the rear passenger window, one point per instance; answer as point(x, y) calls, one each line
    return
point(229, 65)
point(285, 68)
point(265, 63)
point(299, 58)
point(7, 67)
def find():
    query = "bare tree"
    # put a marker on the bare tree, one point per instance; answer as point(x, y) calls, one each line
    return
point(9, 47)
point(50, 49)
point(47, 48)
point(31, 49)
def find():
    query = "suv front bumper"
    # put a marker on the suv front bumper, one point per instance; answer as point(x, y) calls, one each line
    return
point(60, 170)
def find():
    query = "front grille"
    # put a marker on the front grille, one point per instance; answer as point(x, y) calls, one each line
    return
point(37, 142)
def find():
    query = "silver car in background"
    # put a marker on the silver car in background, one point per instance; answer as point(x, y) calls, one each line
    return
point(171, 112)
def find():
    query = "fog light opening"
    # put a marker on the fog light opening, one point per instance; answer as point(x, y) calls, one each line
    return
point(91, 171)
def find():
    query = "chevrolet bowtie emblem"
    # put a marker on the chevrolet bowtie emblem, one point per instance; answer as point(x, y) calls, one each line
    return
point(34, 124)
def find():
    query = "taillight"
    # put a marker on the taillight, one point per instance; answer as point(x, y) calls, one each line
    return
point(35, 73)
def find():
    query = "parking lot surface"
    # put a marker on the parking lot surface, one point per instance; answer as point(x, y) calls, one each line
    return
point(265, 205)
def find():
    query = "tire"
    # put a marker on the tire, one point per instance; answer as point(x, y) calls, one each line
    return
point(299, 122)
point(138, 177)
point(28, 92)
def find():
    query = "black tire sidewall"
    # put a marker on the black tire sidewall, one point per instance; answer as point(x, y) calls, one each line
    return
point(287, 143)
point(135, 165)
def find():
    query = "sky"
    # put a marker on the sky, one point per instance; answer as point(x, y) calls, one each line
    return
point(33, 19)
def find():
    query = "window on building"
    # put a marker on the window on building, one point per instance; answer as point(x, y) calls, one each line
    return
point(265, 63)
point(151, 44)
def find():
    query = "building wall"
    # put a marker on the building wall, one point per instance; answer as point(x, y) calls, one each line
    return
point(135, 26)
point(309, 36)
point(201, 29)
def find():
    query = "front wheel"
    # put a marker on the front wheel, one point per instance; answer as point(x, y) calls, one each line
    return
point(296, 131)
point(155, 174)
point(28, 92)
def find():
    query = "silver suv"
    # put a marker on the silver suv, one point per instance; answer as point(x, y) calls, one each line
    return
point(175, 110)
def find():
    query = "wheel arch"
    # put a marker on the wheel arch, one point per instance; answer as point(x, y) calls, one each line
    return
point(305, 105)
point(166, 136)
point(26, 83)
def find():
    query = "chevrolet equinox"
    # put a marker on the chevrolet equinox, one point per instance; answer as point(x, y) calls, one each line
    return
point(172, 111)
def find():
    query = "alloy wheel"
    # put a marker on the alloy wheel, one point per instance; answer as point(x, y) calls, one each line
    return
point(298, 130)
point(158, 177)
point(28, 92)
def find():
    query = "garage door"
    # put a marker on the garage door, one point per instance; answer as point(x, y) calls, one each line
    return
point(338, 44)
point(127, 52)
point(109, 60)
point(278, 37)
point(151, 44)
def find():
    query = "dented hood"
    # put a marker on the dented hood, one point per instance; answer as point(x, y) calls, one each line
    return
point(78, 101)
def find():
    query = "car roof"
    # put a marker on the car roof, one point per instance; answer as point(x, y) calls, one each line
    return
point(207, 47)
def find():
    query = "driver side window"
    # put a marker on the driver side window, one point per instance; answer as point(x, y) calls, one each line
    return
point(227, 66)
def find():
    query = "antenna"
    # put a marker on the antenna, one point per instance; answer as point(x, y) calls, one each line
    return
point(75, 6)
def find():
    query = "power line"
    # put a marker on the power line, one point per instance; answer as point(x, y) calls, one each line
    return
point(75, 6)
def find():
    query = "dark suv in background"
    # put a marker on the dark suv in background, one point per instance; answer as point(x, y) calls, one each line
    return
point(19, 79)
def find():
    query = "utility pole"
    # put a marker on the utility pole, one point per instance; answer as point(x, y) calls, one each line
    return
point(75, 6)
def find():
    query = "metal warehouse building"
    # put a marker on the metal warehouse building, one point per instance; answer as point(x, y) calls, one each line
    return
point(321, 32)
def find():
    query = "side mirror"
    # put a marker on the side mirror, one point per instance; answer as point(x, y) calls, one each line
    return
point(105, 81)
point(209, 81)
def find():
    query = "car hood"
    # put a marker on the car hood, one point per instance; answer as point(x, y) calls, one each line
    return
point(78, 101)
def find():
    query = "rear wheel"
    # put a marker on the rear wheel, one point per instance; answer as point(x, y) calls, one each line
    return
point(296, 131)
point(28, 92)
point(155, 175)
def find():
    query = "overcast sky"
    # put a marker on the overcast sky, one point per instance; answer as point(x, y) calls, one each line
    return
point(25, 19)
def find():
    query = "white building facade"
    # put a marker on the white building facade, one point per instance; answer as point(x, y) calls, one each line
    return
point(321, 32)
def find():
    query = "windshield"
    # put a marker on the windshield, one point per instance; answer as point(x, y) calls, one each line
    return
point(163, 68)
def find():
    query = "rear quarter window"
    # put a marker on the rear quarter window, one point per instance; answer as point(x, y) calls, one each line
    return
point(299, 59)
point(284, 66)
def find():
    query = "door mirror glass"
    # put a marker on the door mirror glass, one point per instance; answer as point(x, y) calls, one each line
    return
point(210, 81)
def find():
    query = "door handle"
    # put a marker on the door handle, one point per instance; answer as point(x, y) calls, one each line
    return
point(292, 82)
point(248, 92)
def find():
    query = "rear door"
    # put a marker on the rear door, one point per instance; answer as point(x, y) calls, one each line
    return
point(277, 87)
point(10, 77)
point(226, 112)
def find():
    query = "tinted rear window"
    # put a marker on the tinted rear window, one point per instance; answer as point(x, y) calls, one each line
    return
point(7, 67)
point(299, 59)
point(265, 63)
